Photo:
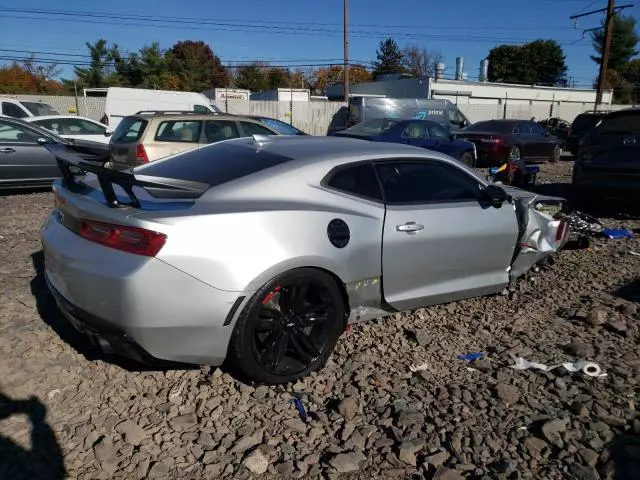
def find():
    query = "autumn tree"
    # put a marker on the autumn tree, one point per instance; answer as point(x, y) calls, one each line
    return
point(389, 58)
point(421, 62)
point(323, 78)
point(29, 77)
point(197, 66)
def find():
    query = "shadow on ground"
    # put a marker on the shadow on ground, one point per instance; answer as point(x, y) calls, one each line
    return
point(51, 315)
point(629, 292)
point(44, 460)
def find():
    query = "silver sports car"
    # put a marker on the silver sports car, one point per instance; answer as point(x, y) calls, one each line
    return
point(261, 250)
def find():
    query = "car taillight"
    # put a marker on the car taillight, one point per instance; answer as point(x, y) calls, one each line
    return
point(141, 154)
point(562, 231)
point(128, 239)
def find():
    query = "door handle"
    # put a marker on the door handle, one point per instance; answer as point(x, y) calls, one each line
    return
point(409, 227)
point(7, 150)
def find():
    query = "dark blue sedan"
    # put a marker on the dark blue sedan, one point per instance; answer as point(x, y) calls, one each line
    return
point(420, 133)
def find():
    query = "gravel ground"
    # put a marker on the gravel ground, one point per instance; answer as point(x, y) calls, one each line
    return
point(66, 411)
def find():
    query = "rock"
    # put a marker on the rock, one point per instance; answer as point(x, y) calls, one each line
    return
point(349, 408)
point(131, 432)
point(588, 456)
point(245, 443)
point(106, 455)
point(508, 393)
point(618, 326)
point(580, 472)
point(407, 419)
point(596, 317)
point(407, 452)
point(257, 462)
point(210, 457)
point(183, 422)
point(296, 425)
point(552, 430)
point(579, 349)
point(347, 462)
point(447, 474)
point(535, 446)
point(629, 309)
point(206, 441)
point(437, 459)
point(158, 470)
point(423, 339)
point(579, 409)
point(285, 469)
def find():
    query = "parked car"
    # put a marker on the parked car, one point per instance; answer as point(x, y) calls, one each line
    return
point(25, 161)
point(582, 125)
point(608, 161)
point(261, 250)
point(507, 141)
point(279, 126)
point(419, 133)
point(73, 127)
point(11, 107)
point(148, 136)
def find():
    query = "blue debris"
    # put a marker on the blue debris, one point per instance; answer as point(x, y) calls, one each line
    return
point(470, 357)
point(615, 233)
point(300, 407)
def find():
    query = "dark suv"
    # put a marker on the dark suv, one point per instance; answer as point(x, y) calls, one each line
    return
point(582, 125)
point(608, 163)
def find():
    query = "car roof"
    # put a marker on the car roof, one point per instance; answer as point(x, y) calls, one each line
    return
point(53, 117)
point(184, 116)
point(624, 112)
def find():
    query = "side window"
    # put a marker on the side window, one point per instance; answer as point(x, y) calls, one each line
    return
point(416, 182)
point(522, 129)
point(201, 109)
point(50, 125)
point(455, 117)
point(255, 129)
point(11, 110)
point(16, 133)
point(414, 130)
point(437, 132)
point(359, 180)
point(537, 129)
point(77, 126)
point(218, 130)
point(179, 131)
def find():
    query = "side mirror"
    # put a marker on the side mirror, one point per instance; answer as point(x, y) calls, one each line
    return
point(44, 141)
point(496, 195)
point(108, 134)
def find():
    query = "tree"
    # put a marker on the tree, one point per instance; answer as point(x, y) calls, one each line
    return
point(251, 77)
point(390, 58)
point(29, 77)
point(325, 77)
point(624, 41)
point(153, 66)
point(540, 62)
point(631, 74)
point(420, 61)
point(101, 71)
point(277, 77)
point(197, 66)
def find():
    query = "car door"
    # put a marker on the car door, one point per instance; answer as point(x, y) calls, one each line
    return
point(544, 142)
point(219, 130)
point(415, 134)
point(22, 158)
point(78, 128)
point(441, 240)
point(174, 136)
point(522, 133)
point(441, 139)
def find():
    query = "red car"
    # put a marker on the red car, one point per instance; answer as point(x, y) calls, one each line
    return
point(501, 141)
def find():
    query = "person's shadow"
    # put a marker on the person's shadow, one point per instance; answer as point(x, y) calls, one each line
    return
point(44, 460)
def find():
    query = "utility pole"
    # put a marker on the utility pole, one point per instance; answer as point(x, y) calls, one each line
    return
point(611, 10)
point(346, 52)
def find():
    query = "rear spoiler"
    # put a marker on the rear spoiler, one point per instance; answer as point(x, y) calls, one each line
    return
point(71, 165)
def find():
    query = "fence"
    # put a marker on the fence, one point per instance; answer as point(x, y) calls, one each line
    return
point(317, 118)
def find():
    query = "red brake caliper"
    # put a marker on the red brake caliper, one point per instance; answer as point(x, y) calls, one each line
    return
point(270, 295)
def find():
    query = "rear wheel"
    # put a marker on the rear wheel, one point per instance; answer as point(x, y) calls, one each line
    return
point(289, 327)
point(555, 155)
point(468, 159)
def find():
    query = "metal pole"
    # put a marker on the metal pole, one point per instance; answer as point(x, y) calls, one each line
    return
point(608, 33)
point(346, 51)
point(75, 89)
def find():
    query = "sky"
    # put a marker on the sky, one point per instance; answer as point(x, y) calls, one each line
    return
point(288, 32)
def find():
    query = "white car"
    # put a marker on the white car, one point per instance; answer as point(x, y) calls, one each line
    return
point(73, 127)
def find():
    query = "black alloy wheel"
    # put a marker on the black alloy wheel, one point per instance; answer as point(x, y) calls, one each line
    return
point(289, 327)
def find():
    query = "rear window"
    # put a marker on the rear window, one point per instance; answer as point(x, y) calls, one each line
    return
point(490, 126)
point(130, 129)
point(281, 127)
point(621, 124)
point(39, 109)
point(585, 122)
point(214, 165)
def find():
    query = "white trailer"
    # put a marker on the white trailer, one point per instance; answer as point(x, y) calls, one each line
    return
point(283, 95)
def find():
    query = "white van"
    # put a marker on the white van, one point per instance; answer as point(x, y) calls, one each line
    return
point(121, 102)
point(10, 107)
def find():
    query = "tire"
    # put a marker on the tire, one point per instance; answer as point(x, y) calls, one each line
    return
point(555, 155)
point(270, 348)
point(468, 159)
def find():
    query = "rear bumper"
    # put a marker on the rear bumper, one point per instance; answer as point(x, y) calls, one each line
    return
point(491, 155)
point(144, 308)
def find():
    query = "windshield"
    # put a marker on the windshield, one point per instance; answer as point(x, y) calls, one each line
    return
point(281, 127)
point(39, 109)
point(628, 124)
point(585, 122)
point(372, 127)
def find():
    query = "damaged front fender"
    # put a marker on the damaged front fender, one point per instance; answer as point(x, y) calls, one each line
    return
point(541, 235)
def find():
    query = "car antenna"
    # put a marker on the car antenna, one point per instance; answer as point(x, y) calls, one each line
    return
point(260, 139)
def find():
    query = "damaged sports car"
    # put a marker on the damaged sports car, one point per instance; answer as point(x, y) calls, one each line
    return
point(259, 251)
